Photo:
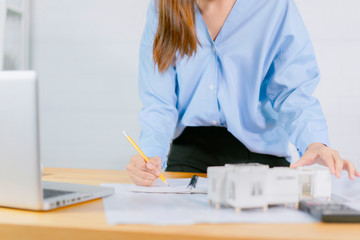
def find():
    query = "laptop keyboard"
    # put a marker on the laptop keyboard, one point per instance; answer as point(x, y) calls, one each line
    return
point(48, 193)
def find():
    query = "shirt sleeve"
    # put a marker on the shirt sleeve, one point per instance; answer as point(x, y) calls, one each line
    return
point(159, 115)
point(292, 79)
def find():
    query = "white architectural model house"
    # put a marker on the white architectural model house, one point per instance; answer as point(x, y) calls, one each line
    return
point(283, 186)
point(256, 186)
point(217, 182)
point(315, 182)
point(246, 187)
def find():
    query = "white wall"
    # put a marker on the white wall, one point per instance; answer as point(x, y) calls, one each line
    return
point(86, 52)
point(334, 26)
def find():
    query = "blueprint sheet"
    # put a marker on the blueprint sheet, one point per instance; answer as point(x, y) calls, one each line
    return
point(126, 207)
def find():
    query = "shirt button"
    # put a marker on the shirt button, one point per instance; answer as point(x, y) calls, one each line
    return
point(214, 48)
point(214, 122)
point(211, 87)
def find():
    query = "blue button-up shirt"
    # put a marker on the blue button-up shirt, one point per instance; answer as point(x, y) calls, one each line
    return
point(256, 79)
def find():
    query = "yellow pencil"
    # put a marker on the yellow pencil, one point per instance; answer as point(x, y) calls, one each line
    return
point(143, 155)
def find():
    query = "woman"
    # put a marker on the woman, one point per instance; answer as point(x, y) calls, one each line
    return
point(231, 82)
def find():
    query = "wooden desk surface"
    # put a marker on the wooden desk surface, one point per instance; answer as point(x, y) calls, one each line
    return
point(87, 220)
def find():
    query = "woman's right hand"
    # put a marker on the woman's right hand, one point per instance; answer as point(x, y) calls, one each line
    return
point(144, 173)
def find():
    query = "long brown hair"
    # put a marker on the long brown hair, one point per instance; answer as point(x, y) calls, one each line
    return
point(176, 32)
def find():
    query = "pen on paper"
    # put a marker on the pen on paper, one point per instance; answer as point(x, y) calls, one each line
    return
point(192, 183)
point(143, 155)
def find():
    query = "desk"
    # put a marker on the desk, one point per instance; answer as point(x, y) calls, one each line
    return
point(87, 220)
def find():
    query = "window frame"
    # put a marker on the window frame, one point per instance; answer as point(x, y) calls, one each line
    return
point(3, 11)
point(24, 12)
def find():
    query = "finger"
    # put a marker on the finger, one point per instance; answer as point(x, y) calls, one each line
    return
point(330, 163)
point(150, 165)
point(357, 173)
point(339, 164)
point(140, 164)
point(350, 169)
point(154, 171)
point(348, 164)
point(155, 162)
point(299, 163)
point(131, 166)
point(326, 158)
point(154, 165)
point(140, 181)
point(144, 167)
point(145, 175)
point(307, 159)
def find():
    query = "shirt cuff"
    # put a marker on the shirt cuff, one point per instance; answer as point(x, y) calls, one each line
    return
point(304, 143)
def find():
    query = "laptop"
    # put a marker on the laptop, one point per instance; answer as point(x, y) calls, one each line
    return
point(20, 167)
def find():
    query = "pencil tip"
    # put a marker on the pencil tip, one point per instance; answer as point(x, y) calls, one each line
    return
point(125, 133)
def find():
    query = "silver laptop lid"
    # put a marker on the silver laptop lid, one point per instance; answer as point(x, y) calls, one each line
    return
point(20, 173)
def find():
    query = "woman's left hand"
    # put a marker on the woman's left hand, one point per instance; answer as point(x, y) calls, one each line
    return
point(321, 154)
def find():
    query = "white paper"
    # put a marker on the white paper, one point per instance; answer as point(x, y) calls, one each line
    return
point(125, 207)
point(347, 190)
point(179, 185)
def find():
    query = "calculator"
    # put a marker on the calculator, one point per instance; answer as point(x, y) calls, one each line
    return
point(330, 211)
